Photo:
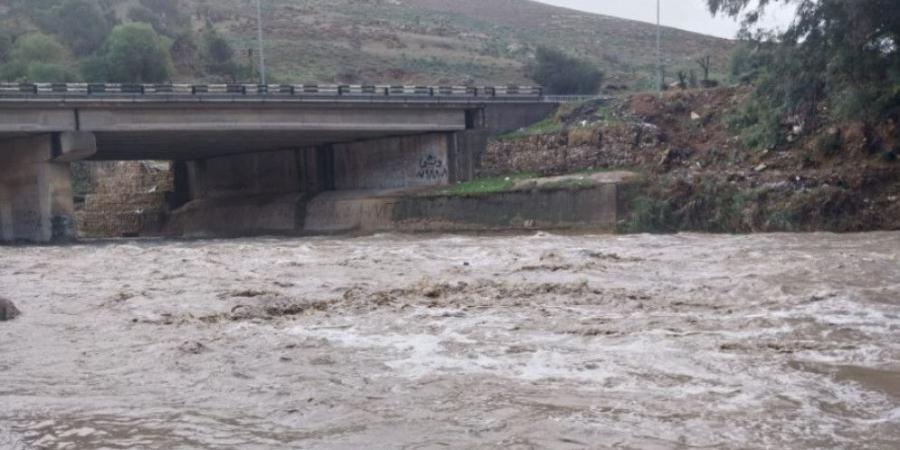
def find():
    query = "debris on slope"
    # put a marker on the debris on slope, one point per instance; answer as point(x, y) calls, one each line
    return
point(702, 177)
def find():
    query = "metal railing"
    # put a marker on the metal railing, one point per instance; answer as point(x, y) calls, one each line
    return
point(573, 98)
point(284, 90)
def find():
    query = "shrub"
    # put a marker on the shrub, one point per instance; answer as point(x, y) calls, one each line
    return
point(48, 73)
point(218, 57)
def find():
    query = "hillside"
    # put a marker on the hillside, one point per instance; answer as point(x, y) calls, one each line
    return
point(700, 175)
point(424, 41)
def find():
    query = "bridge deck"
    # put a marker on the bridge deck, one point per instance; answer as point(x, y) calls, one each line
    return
point(152, 121)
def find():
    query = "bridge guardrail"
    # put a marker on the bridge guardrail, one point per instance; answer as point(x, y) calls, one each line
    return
point(573, 98)
point(281, 90)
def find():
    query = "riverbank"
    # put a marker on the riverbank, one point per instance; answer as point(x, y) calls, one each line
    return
point(700, 174)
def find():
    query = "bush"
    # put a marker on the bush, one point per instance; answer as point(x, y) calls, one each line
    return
point(218, 58)
point(93, 69)
point(562, 74)
point(745, 64)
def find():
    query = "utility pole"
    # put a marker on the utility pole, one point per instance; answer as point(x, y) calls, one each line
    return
point(262, 53)
point(659, 63)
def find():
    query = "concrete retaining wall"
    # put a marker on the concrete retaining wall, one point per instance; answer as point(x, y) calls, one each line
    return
point(240, 215)
point(597, 208)
point(400, 162)
point(349, 212)
point(591, 208)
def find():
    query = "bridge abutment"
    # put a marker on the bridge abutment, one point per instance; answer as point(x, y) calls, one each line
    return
point(283, 192)
point(36, 202)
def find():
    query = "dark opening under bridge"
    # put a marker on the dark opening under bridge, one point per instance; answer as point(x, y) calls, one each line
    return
point(230, 140)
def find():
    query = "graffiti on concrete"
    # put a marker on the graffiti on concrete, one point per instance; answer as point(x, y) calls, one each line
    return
point(432, 168)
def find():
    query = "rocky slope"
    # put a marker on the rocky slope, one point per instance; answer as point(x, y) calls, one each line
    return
point(701, 177)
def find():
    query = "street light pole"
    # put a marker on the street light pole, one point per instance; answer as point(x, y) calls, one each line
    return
point(659, 64)
point(262, 53)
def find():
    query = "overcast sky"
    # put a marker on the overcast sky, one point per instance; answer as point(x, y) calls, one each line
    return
point(689, 15)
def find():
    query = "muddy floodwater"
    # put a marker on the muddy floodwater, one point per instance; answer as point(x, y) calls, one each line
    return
point(431, 342)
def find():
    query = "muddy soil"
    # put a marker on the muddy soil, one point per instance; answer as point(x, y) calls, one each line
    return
point(385, 342)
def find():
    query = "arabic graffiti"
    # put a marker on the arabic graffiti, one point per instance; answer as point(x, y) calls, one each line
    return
point(432, 168)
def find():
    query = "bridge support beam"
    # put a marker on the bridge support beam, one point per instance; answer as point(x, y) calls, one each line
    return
point(36, 203)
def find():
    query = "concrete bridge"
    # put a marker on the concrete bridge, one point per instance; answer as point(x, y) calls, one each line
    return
point(269, 147)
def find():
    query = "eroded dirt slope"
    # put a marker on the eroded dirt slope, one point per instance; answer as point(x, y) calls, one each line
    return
point(702, 176)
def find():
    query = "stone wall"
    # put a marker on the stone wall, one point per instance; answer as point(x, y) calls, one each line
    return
point(586, 148)
point(125, 198)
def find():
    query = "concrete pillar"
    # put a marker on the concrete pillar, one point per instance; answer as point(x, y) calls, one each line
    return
point(464, 155)
point(36, 202)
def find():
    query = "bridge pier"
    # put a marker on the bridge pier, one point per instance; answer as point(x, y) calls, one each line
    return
point(36, 203)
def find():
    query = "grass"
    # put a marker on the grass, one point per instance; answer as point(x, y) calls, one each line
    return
point(488, 185)
point(546, 126)
point(554, 122)
point(507, 183)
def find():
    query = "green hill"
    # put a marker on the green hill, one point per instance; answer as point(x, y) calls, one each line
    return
point(389, 41)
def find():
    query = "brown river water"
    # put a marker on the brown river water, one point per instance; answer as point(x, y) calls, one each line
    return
point(431, 342)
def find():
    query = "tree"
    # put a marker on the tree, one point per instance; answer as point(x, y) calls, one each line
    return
point(705, 63)
point(132, 53)
point(562, 74)
point(81, 24)
point(37, 48)
point(36, 57)
point(839, 57)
